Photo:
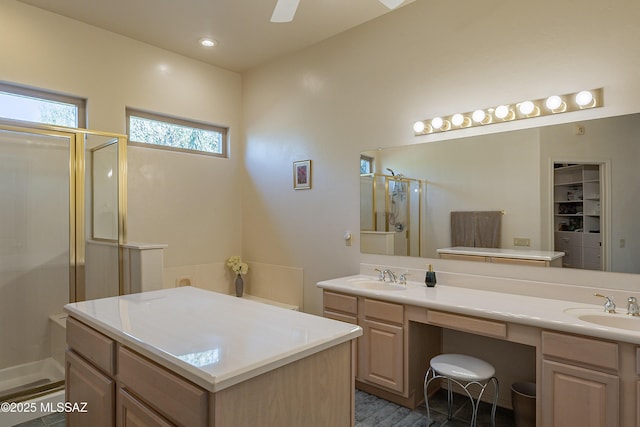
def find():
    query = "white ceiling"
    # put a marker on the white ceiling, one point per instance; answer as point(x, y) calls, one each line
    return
point(242, 28)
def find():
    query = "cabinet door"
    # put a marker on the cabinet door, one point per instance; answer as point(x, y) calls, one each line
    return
point(578, 397)
point(133, 413)
point(89, 388)
point(381, 361)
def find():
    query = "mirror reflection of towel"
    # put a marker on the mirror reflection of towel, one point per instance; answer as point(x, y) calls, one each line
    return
point(479, 229)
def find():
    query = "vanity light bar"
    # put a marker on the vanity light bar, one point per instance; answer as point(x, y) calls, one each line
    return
point(554, 104)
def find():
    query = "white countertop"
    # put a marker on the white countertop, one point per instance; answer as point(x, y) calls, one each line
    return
point(212, 339)
point(527, 310)
point(504, 253)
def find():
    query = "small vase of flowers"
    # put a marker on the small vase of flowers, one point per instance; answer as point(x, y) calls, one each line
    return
point(239, 268)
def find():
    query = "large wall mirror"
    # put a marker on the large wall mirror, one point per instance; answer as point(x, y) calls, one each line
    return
point(515, 173)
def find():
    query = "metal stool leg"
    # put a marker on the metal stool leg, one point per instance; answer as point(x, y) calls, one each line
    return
point(449, 399)
point(427, 381)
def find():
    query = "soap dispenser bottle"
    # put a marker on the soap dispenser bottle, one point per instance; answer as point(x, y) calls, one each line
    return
point(430, 278)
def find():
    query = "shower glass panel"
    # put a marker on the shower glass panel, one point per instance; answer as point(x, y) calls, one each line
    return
point(35, 195)
point(101, 272)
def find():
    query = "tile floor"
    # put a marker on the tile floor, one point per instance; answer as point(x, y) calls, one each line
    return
point(53, 420)
point(372, 411)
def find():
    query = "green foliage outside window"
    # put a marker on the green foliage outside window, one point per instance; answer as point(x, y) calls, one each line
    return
point(149, 131)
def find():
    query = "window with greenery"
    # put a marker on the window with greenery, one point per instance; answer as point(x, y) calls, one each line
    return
point(366, 164)
point(38, 106)
point(169, 133)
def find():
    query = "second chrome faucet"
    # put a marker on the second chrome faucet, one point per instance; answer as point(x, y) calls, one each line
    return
point(633, 309)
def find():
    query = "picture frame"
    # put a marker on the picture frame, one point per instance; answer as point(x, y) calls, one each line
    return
point(302, 175)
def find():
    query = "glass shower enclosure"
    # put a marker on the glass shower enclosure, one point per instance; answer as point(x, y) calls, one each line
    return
point(391, 214)
point(62, 216)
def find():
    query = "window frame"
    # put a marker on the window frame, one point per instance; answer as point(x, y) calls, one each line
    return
point(369, 160)
point(179, 122)
point(80, 103)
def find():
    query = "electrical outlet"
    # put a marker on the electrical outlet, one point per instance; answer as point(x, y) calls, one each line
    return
point(521, 241)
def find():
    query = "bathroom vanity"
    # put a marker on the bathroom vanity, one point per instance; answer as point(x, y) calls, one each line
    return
point(504, 256)
point(190, 357)
point(586, 362)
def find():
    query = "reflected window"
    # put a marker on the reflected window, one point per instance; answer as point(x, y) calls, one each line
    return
point(366, 165)
point(158, 131)
point(38, 106)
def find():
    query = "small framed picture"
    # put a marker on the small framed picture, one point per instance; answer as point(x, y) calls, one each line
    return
point(302, 175)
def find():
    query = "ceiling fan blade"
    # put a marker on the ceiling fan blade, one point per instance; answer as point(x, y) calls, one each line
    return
point(391, 4)
point(284, 11)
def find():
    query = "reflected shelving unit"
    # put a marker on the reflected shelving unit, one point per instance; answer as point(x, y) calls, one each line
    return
point(577, 214)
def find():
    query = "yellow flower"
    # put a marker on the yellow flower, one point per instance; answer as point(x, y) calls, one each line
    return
point(236, 265)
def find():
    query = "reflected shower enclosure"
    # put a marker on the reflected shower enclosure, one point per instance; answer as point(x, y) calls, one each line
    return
point(51, 251)
point(391, 217)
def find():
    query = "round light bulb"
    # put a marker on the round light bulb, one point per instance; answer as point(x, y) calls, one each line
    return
point(584, 98)
point(457, 119)
point(207, 42)
point(418, 127)
point(501, 111)
point(437, 122)
point(478, 116)
point(526, 107)
point(553, 102)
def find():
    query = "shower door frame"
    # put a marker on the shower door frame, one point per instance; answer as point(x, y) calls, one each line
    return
point(77, 221)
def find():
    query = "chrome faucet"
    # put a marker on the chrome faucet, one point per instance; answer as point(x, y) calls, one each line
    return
point(382, 275)
point(632, 307)
point(403, 278)
point(609, 305)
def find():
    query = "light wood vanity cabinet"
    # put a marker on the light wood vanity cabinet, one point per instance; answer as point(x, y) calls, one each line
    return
point(89, 369)
point(86, 384)
point(124, 389)
point(581, 381)
point(160, 393)
point(381, 347)
point(382, 355)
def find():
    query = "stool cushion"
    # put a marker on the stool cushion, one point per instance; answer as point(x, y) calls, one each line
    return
point(462, 367)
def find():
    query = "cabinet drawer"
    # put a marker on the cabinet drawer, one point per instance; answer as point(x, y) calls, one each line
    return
point(467, 324)
point(92, 345)
point(567, 238)
point(518, 261)
point(588, 351)
point(390, 312)
point(176, 399)
point(464, 257)
point(340, 316)
point(340, 302)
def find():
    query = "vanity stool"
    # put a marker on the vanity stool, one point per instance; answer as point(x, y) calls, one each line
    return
point(465, 371)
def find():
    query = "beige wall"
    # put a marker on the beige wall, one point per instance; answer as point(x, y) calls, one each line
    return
point(191, 203)
point(364, 88)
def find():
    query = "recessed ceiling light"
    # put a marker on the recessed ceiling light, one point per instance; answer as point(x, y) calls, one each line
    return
point(207, 42)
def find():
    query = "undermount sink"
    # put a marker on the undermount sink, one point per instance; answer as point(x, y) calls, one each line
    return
point(610, 320)
point(376, 285)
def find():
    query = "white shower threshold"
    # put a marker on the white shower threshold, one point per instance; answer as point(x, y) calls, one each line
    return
point(29, 375)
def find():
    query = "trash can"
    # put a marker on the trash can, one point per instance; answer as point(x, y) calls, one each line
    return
point(523, 398)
